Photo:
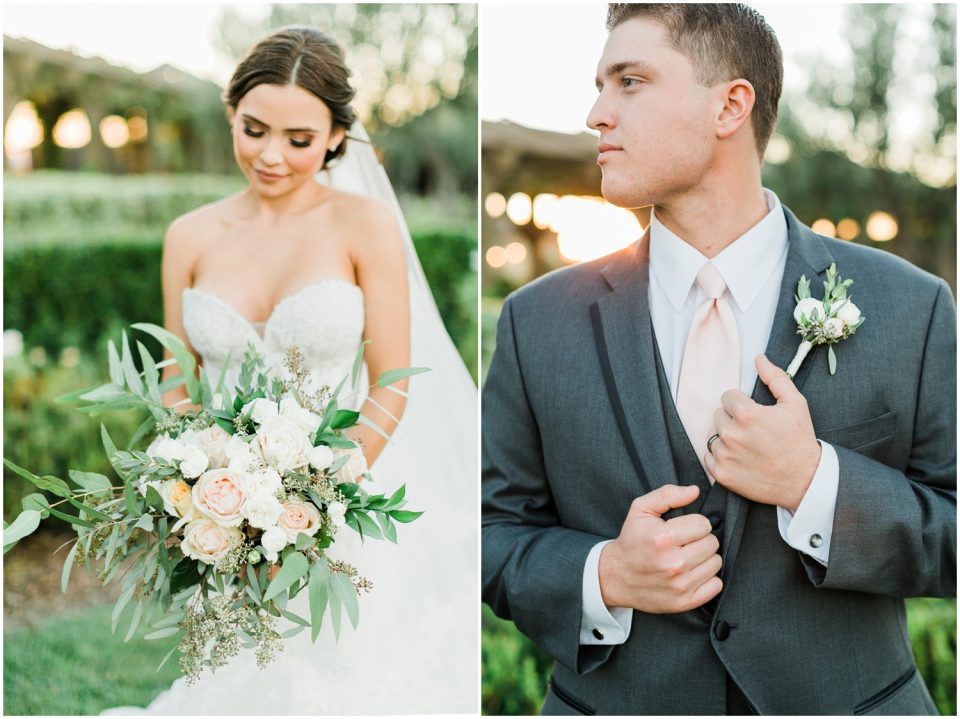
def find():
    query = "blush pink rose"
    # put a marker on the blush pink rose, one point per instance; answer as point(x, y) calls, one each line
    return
point(207, 541)
point(299, 517)
point(219, 494)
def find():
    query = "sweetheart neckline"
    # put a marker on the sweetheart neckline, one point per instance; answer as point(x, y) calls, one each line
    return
point(273, 313)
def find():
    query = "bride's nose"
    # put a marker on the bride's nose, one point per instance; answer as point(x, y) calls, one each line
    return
point(271, 154)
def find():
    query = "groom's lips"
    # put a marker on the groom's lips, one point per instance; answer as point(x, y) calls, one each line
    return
point(606, 150)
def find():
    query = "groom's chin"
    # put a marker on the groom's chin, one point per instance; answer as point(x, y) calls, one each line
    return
point(622, 195)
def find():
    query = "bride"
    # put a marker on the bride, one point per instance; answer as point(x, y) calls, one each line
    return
point(315, 253)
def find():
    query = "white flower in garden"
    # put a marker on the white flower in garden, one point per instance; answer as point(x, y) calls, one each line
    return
point(805, 307)
point(273, 540)
point(12, 343)
point(308, 421)
point(299, 517)
point(320, 457)
point(213, 440)
point(355, 467)
point(177, 497)
point(260, 410)
point(194, 462)
point(263, 482)
point(337, 512)
point(165, 447)
point(848, 313)
point(282, 443)
point(207, 541)
point(239, 455)
point(219, 494)
point(833, 327)
point(262, 511)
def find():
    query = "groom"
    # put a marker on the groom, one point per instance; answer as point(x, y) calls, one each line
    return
point(681, 526)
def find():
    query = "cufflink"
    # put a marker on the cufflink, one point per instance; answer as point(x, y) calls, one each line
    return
point(815, 540)
point(597, 633)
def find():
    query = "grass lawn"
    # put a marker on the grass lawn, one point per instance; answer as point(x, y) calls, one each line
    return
point(74, 665)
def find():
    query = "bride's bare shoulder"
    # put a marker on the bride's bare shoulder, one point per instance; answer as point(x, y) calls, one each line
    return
point(365, 217)
point(190, 232)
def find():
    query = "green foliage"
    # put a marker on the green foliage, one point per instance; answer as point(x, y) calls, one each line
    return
point(515, 672)
point(94, 669)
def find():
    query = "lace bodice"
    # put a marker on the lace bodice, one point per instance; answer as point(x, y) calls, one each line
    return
point(324, 319)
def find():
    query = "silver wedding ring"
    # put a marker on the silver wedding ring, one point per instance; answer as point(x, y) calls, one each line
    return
point(710, 442)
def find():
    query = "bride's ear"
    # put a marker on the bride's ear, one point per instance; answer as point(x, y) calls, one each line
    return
point(336, 138)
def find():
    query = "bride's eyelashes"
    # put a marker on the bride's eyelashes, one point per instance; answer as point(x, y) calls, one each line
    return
point(259, 133)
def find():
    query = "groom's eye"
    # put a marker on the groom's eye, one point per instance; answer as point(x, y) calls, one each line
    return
point(630, 81)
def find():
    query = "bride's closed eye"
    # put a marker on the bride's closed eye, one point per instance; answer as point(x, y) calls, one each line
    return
point(251, 132)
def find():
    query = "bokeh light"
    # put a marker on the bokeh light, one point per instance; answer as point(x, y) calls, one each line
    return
point(882, 227)
point(848, 228)
point(589, 227)
point(24, 130)
point(496, 257)
point(72, 130)
point(823, 226)
point(519, 208)
point(495, 204)
point(516, 252)
point(114, 131)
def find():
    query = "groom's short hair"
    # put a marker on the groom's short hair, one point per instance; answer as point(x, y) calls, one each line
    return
point(723, 42)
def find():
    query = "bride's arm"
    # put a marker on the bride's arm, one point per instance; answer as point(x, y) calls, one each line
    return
point(176, 270)
point(380, 263)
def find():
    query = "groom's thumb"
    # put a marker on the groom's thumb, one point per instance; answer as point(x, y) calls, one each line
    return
point(663, 499)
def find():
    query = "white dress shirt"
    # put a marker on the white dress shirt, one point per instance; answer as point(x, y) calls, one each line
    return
point(752, 268)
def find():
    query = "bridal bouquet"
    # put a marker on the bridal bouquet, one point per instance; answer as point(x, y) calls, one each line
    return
point(228, 512)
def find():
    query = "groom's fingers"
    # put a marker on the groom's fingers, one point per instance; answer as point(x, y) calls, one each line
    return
point(696, 553)
point(663, 499)
point(688, 528)
point(776, 379)
point(707, 591)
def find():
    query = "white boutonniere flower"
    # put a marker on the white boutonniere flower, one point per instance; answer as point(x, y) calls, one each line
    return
point(826, 321)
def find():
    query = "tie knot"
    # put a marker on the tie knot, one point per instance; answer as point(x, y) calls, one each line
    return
point(711, 282)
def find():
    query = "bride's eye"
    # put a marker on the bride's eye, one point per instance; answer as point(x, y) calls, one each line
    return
point(251, 132)
point(301, 143)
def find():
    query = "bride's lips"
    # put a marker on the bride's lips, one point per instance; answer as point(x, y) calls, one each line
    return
point(606, 150)
point(268, 176)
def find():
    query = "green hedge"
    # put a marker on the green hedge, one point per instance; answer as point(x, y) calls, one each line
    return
point(515, 672)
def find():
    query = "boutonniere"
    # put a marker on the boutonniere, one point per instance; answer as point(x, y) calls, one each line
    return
point(824, 322)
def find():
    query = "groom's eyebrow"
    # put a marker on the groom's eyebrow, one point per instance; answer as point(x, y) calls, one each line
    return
point(616, 68)
point(251, 118)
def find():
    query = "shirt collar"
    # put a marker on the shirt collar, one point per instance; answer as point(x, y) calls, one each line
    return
point(745, 264)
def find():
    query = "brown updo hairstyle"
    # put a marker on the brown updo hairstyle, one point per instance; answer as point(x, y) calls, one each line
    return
point(302, 56)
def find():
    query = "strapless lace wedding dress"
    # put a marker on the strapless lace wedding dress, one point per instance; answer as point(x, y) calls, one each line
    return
point(415, 649)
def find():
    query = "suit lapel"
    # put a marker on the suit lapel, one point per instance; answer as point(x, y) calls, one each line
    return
point(806, 255)
point(625, 344)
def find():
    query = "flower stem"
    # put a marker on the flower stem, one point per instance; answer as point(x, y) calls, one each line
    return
point(798, 358)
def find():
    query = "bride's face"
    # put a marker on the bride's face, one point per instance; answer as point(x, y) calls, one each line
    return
point(281, 134)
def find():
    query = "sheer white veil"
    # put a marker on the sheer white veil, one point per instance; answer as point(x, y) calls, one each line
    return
point(435, 447)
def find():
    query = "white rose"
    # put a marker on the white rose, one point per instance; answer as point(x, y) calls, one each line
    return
point(207, 541)
point(273, 540)
point(260, 410)
point(833, 327)
point(194, 462)
point(337, 512)
point(212, 441)
point(282, 444)
point(239, 455)
point(262, 511)
point(848, 313)
point(353, 470)
point(144, 485)
point(320, 457)
point(264, 482)
point(220, 495)
point(305, 419)
point(806, 307)
point(165, 447)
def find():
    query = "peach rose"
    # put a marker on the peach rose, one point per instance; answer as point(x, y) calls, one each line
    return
point(219, 494)
point(299, 517)
point(207, 541)
point(177, 497)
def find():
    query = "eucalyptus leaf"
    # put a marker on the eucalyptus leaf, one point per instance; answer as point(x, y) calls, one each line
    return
point(54, 485)
point(368, 526)
point(293, 567)
point(185, 360)
point(129, 368)
point(343, 588)
point(292, 632)
point(161, 633)
point(93, 512)
point(168, 655)
point(402, 515)
point(831, 359)
point(304, 541)
point(318, 591)
point(367, 422)
point(135, 621)
point(122, 602)
point(37, 502)
point(72, 519)
point(90, 481)
point(357, 363)
point(389, 530)
point(25, 524)
point(395, 375)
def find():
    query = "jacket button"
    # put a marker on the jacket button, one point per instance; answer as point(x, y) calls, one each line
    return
point(597, 633)
point(715, 520)
point(721, 630)
point(815, 540)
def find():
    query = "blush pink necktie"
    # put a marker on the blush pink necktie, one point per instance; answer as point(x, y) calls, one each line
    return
point(711, 361)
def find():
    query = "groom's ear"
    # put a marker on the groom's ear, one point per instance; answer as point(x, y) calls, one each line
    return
point(734, 103)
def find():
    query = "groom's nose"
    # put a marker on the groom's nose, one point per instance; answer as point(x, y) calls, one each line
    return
point(601, 114)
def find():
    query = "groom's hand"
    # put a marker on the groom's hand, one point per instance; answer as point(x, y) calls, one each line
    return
point(661, 566)
point(765, 453)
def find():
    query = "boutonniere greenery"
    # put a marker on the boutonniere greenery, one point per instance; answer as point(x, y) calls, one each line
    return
point(826, 321)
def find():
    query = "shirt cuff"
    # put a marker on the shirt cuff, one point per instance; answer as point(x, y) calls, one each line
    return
point(810, 528)
point(598, 624)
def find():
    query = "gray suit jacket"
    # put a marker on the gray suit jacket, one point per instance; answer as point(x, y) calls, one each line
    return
point(573, 431)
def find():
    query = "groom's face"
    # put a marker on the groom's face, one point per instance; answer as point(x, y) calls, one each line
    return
point(653, 116)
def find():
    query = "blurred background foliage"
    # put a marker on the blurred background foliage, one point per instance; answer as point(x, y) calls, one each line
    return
point(98, 160)
point(866, 152)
